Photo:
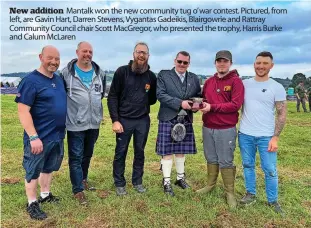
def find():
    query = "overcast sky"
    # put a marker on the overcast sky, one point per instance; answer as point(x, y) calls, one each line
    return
point(291, 48)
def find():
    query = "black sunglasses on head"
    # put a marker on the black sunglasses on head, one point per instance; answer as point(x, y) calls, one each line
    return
point(182, 62)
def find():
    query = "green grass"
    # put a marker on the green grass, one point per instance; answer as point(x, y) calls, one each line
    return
point(154, 209)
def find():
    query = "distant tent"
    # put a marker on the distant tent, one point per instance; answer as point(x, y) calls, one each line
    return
point(10, 81)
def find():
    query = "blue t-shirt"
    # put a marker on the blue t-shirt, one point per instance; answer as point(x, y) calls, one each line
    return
point(85, 76)
point(258, 111)
point(48, 102)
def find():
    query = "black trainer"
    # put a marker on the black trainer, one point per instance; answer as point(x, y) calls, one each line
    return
point(248, 199)
point(182, 183)
point(35, 212)
point(277, 208)
point(50, 199)
point(140, 188)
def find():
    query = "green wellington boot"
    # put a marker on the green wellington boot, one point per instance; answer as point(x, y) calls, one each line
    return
point(228, 177)
point(212, 174)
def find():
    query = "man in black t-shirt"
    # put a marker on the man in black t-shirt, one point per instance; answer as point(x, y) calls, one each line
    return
point(132, 91)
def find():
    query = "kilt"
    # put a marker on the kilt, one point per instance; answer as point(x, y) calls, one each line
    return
point(166, 145)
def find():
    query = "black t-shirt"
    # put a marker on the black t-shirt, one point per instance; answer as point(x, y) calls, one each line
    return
point(131, 94)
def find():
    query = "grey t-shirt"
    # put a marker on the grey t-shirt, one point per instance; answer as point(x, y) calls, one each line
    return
point(258, 111)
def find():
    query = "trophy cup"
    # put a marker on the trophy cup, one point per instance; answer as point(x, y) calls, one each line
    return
point(196, 103)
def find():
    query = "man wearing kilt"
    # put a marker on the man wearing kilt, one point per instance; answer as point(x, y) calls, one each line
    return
point(174, 88)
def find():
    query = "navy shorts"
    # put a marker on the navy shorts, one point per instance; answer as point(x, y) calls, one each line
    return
point(49, 160)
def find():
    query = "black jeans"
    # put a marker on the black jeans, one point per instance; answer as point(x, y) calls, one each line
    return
point(80, 152)
point(139, 128)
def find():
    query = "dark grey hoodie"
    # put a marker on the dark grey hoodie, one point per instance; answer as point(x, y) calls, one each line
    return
point(84, 105)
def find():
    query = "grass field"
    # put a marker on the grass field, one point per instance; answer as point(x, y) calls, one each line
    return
point(154, 209)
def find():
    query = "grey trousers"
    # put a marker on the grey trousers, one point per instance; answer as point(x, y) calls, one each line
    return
point(219, 146)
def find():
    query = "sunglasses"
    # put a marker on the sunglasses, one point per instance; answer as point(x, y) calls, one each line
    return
point(182, 62)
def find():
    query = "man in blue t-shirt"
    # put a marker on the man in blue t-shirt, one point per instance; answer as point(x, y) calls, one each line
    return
point(42, 104)
point(259, 129)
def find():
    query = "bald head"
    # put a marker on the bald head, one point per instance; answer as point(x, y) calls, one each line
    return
point(50, 60)
point(49, 48)
point(84, 53)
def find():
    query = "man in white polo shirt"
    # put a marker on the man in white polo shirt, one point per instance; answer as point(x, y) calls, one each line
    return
point(259, 129)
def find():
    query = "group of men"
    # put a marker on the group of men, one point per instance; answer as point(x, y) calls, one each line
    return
point(49, 104)
point(303, 95)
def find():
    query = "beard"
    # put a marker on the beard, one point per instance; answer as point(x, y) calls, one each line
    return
point(261, 74)
point(139, 68)
point(222, 71)
point(86, 62)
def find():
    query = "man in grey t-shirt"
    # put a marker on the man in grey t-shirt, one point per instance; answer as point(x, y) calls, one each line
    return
point(259, 129)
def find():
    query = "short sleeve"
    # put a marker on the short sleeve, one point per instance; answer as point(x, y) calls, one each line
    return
point(26, 93)
point(280, 94)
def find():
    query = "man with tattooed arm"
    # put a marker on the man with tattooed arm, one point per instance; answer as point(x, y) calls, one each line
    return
point(259, 129)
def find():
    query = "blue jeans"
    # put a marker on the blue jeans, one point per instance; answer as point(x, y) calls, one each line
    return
point(248, 146)
point(80, 152)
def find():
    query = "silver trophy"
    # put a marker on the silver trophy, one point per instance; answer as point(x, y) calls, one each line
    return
point(196, 103)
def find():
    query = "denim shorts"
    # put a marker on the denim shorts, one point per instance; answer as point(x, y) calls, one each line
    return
point(49, 160)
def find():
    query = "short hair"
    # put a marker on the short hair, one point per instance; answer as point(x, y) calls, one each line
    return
point(141, 43)
point(43, 49)
point(79, 44)
point(265, 54)
point(184, 53)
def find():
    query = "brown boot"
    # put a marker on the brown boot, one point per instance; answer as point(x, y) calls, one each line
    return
point(81, 198)
point(87, 186)
point(228, 177)
point(212, 174)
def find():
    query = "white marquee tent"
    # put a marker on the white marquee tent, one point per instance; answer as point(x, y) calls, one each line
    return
point(11, 81)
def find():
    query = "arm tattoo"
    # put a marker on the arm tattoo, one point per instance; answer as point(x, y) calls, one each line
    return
point(281, 108)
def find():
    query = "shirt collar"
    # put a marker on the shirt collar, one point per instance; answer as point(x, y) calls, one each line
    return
point(179, 74)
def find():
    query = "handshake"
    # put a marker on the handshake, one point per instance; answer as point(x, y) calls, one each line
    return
point(195, 104)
